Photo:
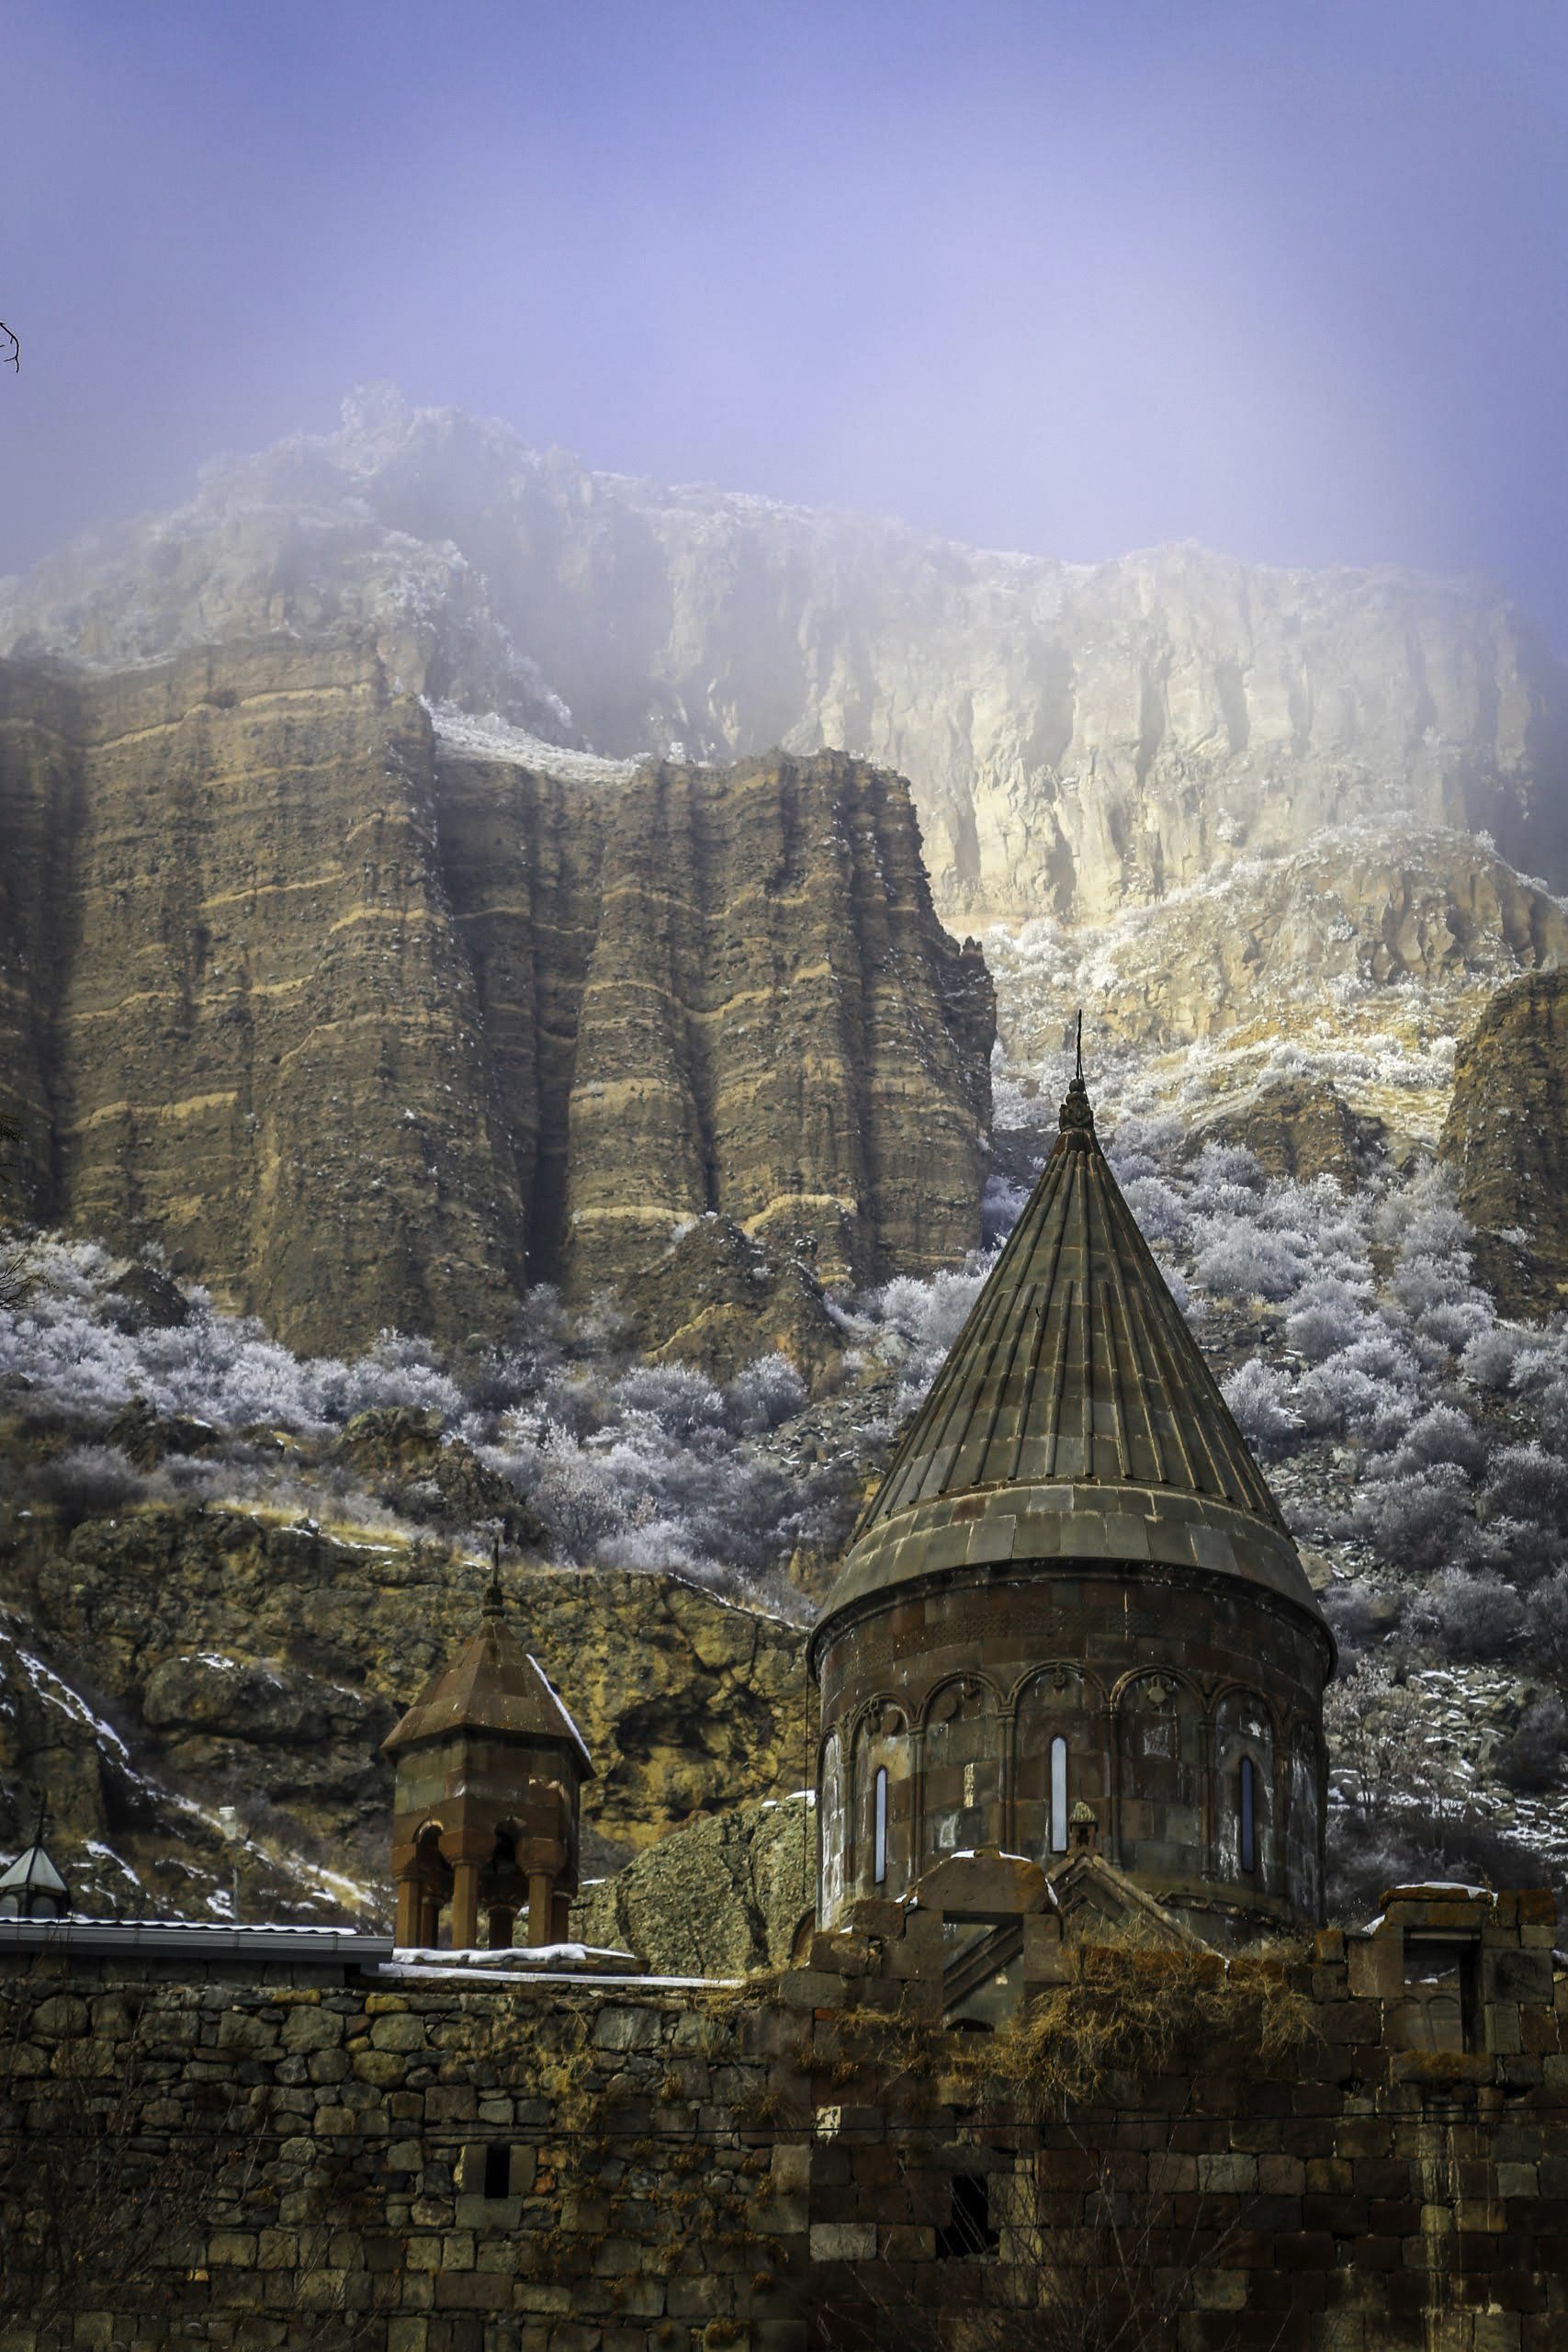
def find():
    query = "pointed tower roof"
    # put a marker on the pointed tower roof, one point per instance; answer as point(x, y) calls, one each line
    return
point(32, 1878)
point(493, 1684)
point(1074, 1418)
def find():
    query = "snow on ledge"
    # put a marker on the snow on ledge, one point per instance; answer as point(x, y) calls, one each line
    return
point(494, 738)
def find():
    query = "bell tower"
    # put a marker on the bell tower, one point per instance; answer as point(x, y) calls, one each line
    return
point(490, 1769)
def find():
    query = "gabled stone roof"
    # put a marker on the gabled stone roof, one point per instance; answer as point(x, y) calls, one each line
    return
point(491, 1685)
point(1074, 1417)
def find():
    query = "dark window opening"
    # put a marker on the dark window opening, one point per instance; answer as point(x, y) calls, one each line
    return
point(1249, 1820)
point(879, 1856)
point(1441, 2009)
point(969, 2232)
point(497, 2170)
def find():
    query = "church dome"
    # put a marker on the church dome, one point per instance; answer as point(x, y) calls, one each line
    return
point(1074, 1553)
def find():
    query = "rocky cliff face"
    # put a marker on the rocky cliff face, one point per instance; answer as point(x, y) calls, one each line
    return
point(366, 1030)
point(1081, 738)
point(1505, 1137)
point(194, 1658)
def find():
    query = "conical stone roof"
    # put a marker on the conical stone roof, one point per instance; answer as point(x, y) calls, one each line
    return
point(1074, 1418)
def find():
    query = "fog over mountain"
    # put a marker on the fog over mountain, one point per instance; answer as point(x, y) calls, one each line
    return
point(1080, 738)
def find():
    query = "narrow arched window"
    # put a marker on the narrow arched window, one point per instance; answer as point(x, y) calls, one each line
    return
point(1249, 1822)
point(1058, 1795)
point(879, 1870)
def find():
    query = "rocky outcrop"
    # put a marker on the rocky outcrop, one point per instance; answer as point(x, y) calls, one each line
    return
point(184, 1658)
point(720, 1898)
point(1506, 1137)
point(1081, 738)
point(364, 1033)
point(1363, 918)
point(399, 1455)
point(1296, 1128)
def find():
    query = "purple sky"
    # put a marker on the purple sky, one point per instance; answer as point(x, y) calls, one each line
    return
point(1290, 280)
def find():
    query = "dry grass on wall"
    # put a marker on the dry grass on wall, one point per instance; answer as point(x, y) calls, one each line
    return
point(1131, 2009)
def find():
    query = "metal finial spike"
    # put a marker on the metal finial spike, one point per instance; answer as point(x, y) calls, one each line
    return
point(1077, 1118)
point(42, 1829)
point(495, 1600)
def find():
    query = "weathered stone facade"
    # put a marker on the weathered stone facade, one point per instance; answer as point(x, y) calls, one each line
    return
point(445, 2161)
point(1159, 1685)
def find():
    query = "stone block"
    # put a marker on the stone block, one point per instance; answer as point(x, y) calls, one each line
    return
point(1509, 1975)
point(305, 2029)
point(872, 1917)
point(474, 2212)
point(625, 2029)
point(844, 2241)
point(1375, 1966)
point(451, 2103)
point(1229, 2175)
point(231, 2250)
point(398, 2033)
point(474, 2291)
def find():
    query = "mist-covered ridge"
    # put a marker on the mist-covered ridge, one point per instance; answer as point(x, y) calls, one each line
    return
point(1081, 737)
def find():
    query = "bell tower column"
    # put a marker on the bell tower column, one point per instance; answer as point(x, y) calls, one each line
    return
point(465, 1905)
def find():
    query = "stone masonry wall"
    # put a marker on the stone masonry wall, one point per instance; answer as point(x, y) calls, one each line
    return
point(806, 2163)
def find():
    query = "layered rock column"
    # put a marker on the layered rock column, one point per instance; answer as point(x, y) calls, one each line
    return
point(364, 1036)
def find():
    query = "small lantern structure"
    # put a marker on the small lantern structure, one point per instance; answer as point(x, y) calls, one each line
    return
point(32, 1888)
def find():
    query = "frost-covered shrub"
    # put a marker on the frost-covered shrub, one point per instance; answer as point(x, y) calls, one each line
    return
point(1531, 1758)
point(572, 1493)
point(86, 1480)
point(1468, 1616)
point(680, 1400)
point(1240, 1261)
point(1528, 1483)
point(398, 1370)
point(1443, 1433)
point(1356, 1617)
point(1159, 1209)
point(1258, 1396)
point(1145, 1145)
point(1546, 1625)
point(929, 1315)
point(1338, 1398)
point(1421, 1283)
point(1001, 1205)
point(1491, 1358)
point(1221, 1167)
point(1517, 1549)
point(1380, 1354)
point(768, 1392)
point(1454, 1323)
point(1412, 1521)
point(1328, 1314)
point(1420, 1217)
